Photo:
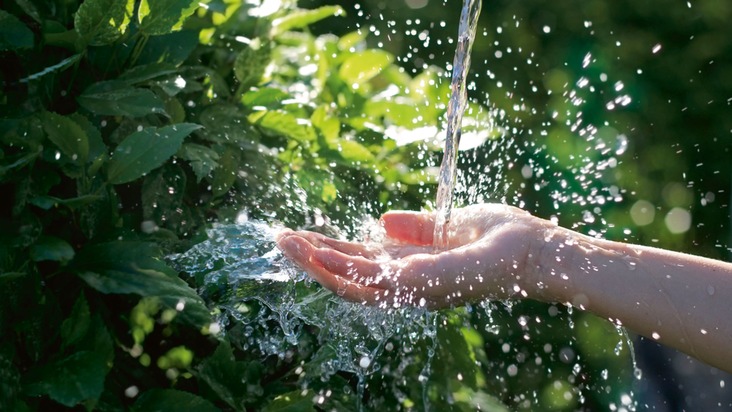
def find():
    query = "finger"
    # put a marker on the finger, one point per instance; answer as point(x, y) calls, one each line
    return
point(410, 227)
point(348, 248)
point(306, 256)
point(355, 268)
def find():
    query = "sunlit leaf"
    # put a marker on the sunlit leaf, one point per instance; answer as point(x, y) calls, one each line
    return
point(164, 16)
point(303, 18)
point(14, 35)
point(67, 135)
point(101, 22)
point(268, 97)
point(116, 98)
point(363, 66)
point(284, 124)
point(146, 150)
point(327, 125)
point(355, 152)
point(250, 64)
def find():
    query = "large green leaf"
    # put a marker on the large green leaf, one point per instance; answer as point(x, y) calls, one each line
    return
point(117, 98)
point(171, 400)
point(101, 22)
point(284, 124)
point(51, 248)
point(126, 267)
point(67, 135)
point(14, 35)
point(164, 16)
point(146, 150)
point(303, 18)
point(363, 66)
point(79, 376)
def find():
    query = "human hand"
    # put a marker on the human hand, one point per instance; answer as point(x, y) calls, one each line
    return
point(486, 255)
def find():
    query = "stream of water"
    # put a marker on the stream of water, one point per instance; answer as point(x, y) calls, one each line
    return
point(455, 109)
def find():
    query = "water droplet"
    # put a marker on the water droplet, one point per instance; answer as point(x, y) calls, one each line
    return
point(710, 290)
point(364, 362)
point(655, 336)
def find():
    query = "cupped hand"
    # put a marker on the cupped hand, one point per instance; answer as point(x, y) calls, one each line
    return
point(486, 255)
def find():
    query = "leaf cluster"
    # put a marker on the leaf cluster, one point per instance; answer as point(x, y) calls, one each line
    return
point(128, 126)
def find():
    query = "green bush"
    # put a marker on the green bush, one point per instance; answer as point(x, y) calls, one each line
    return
point(128, 127)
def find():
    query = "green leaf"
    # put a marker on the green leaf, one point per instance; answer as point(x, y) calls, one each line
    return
point(203, 160)
point(116, 98)
point(124, 267)
point(353, 152)
point(303, 18)
point(163, 191)
point(234, 382)
point(67, 135)
point(327, 125)
point(51, 248)
point(47, 202)
point(146, 150)
point(250, 64)
point(78, 377)
point(173, 48)
point(224, 176)
point(101, 22)
point(139, 74)
point(295, 401)
point(284, 124)
point(268, 97)
point(14, 35)
point(363, 66)
point(171, 400)
point(71, 380)
point(60, 66)
point(76, 326)
point(157, 17)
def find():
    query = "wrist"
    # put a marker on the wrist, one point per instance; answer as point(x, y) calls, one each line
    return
point(551, 255)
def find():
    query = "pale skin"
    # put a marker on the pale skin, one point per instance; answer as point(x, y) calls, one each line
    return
point(501, 252)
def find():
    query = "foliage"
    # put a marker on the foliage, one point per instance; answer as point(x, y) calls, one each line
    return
point(127, 127)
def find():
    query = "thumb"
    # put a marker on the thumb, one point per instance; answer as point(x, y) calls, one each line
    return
point(409, 227)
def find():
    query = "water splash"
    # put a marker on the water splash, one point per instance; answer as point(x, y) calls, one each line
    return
point(455, 109)
point(269, 306)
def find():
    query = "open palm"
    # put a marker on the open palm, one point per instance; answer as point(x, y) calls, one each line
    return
point(486, 254)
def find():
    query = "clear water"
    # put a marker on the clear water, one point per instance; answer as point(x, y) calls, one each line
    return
point(455, 109)
point(269, 306)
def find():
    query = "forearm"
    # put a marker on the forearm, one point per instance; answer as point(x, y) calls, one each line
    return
point(680, 300)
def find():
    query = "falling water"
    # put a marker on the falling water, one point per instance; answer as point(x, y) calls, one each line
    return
point(456, 107)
